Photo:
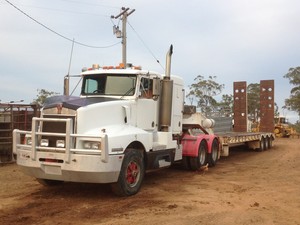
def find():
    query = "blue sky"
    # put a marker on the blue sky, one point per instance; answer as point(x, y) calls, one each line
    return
point(235, 40)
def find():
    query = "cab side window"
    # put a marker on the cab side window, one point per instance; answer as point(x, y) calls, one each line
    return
point(146, 88)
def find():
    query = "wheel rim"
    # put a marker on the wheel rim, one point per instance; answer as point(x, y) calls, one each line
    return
point(132, 174)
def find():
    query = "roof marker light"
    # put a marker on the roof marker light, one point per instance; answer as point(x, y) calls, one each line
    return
point(137, 67)
point(95, 66)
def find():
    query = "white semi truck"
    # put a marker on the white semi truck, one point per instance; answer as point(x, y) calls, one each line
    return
point(126, 121)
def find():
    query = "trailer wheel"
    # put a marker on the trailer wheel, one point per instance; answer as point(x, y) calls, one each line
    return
point(267, 143)
point(270, 140)
point(200, 160)
point(262, 144)
point(131, 175)
point(214, 155)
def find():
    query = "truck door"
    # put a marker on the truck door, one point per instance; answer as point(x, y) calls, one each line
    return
point(146, 106)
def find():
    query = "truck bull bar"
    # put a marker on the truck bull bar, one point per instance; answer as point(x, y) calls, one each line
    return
point(69, 136)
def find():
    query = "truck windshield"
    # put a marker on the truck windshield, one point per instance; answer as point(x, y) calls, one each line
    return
point(109, 84)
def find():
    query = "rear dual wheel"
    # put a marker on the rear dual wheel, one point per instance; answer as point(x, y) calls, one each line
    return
point(201, 159)
point(214, 155)
point(186, 162)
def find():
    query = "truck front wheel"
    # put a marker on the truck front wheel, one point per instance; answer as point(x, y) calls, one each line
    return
point(47, 182)
point(131, 175)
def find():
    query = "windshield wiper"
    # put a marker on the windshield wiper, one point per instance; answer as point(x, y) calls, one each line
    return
point(127, 92)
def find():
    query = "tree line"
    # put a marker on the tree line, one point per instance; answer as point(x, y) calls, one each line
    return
point(203, 92)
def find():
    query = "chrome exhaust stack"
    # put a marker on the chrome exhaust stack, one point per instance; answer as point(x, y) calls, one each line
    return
point(165, 112)
point(168, 62)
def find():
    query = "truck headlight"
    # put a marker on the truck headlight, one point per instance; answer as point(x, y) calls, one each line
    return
point(60, 143)
point(91, 145)
point(44, 143)
point(28, 141)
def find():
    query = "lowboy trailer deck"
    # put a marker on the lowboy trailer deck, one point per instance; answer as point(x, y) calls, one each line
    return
point(258, 141)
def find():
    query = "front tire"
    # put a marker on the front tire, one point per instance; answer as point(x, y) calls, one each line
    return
point(131, 175)
point(47, 182)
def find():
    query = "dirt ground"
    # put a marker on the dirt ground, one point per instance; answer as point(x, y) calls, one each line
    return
point(247, 187)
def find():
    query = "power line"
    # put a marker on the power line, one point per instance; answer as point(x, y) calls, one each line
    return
point(55, 32)
point(146, 46)
point(63, 11)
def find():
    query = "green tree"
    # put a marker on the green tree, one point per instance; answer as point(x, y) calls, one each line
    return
point(225, 106)
point(293, 102)
point(253, 96)
point(42, 95)
point(204, 92)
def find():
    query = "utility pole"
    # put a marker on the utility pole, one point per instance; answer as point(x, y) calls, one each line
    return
point(122, 34)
